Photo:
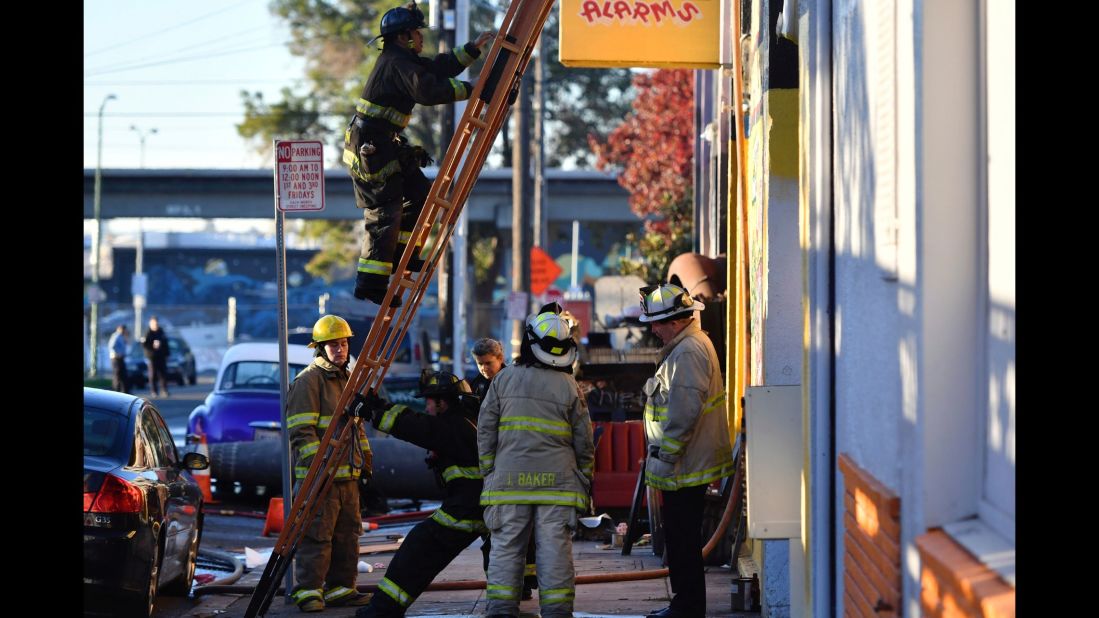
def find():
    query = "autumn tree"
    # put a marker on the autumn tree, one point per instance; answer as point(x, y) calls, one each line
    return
point(653, 150)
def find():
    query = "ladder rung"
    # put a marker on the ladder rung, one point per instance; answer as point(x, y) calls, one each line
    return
point(407, 283)
point(477, 122)
point(510, 47)
point(445, 204)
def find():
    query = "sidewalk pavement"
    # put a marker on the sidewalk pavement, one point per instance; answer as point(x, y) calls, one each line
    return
point(630, 598)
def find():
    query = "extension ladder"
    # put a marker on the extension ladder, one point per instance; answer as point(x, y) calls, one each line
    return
point(485, 112)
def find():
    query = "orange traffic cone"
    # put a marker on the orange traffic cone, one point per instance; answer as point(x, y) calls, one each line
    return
point(273, 523)
point(202, 477)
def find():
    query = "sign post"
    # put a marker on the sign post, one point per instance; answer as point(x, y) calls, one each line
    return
point(299, 185)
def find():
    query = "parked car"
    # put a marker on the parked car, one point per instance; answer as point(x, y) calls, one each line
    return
point(142, 508)
point(181, 363)
point(244, 404)
point(246, 392)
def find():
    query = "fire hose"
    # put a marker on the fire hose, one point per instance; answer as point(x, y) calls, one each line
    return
point(602, 578)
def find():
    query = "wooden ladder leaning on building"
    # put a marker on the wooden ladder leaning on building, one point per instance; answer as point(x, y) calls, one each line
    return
point(485, 112)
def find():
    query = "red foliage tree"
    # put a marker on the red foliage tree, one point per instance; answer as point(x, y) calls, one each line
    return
point(654, 149)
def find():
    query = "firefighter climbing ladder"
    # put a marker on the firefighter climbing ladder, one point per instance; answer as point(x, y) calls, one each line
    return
point(484, 115)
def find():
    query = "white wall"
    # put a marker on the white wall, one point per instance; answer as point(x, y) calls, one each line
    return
point(868, 380)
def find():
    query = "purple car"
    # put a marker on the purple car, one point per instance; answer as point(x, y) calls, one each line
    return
point(245, 402)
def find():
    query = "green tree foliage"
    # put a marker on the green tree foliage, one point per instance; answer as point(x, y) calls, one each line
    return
point(332, 36)
point(653, 148)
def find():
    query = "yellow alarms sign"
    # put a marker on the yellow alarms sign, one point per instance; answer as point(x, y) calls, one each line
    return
point(640, 33)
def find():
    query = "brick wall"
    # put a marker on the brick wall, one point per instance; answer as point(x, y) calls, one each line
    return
point(954, 584)
point(871, 545)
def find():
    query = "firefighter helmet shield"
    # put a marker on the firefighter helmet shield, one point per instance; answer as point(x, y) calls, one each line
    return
point(401, 19)
point(330, 327)
point(660, 302)
point(550, 335)
point(441, 384)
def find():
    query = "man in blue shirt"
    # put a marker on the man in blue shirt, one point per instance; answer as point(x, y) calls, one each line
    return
point(117, 344)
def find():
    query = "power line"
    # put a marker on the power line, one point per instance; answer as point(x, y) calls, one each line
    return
point(198, 82)
point(168, 29)
point(185, 59)
point(238, 114)
point(219, 43)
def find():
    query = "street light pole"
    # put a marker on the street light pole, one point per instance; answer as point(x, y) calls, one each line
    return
point(137, 288)
point(141, 137)
point(93, 370)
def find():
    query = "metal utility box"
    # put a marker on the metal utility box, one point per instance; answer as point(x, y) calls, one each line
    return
point(773, 458)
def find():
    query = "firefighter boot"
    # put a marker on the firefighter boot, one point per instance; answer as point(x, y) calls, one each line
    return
point(372, 287)
point(345, 597)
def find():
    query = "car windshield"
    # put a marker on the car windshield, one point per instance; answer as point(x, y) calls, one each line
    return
point(251, 375)
point(101, 431)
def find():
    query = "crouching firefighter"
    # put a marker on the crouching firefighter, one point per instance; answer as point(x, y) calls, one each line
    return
point(449, 431)
point(328, 553)
point(384, 166)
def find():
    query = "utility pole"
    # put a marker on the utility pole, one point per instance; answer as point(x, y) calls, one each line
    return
point(522, 194)
point(541, 216)
point(443, 17)
point(93, 369)
point(138, 288)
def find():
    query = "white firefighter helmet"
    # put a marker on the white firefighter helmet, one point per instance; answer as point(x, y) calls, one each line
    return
point(550, 336)
point(660, 302)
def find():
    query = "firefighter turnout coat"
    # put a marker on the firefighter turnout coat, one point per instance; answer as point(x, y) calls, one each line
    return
point(452, 438)
point(310, 403)
point(685, 415)
point(534, 437)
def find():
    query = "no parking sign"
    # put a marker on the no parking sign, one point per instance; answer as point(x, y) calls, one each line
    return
point(299, 175)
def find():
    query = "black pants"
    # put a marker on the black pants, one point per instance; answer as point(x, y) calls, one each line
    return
point(390, 206)
point(425, 552)
point(119, 381)
point(683, 543)
point(158, 372)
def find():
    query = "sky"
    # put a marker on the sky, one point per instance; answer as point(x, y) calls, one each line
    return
point(178, 68)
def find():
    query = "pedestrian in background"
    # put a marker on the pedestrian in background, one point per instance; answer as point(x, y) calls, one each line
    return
point(328, 553)
point(118, 344)
point(534, 441)
point(489, 356)
point(688, 436)
point(155, 344)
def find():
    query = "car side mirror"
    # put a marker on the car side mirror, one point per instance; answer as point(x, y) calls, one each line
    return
point(196, 461)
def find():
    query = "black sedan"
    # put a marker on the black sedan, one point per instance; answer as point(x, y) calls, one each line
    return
point(142, 507)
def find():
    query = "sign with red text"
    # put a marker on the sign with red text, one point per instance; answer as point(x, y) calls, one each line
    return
point(299, 175)
point(640, 33)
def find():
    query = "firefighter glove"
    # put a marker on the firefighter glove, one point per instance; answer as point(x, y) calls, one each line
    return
point(374, 407)
point(422, 158)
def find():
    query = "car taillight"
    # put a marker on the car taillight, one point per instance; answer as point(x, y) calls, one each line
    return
point(116, 496)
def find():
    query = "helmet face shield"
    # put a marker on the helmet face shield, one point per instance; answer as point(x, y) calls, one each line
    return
point(401, 19)
point(441, 384)
point(550, 335)
point(659, 302)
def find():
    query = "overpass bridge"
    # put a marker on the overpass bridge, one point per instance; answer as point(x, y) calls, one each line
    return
point(588, 196)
